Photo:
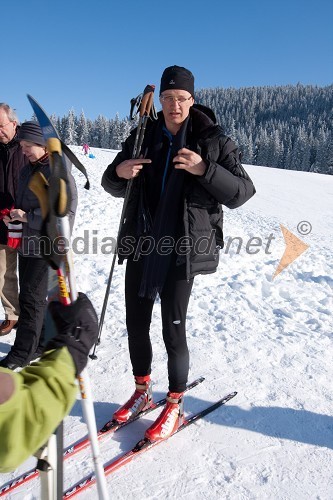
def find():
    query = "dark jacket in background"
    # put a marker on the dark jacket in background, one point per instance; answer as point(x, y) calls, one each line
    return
point(12, 160)
point(33, 269)
point(225, 182)
point(26, 200)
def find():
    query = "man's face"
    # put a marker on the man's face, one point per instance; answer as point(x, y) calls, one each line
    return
point(7, 128)
point(176, 107)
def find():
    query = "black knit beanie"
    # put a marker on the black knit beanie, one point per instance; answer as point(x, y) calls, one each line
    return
point(177, 77)
point(31, 132)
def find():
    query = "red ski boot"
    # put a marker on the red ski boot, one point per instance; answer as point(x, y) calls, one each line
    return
point(140, 400)
point(169, 420)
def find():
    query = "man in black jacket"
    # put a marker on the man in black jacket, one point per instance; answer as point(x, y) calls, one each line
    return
point(11, 162)
point(172, 231)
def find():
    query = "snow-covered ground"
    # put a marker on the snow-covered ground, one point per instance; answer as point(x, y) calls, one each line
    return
point(270, 340)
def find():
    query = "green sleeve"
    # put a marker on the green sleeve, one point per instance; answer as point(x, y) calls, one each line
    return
point(44, 394)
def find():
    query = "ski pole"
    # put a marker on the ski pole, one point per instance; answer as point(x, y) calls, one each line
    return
point(83, 378)
point(66, 289)
point(145, 108)
point(54, 203)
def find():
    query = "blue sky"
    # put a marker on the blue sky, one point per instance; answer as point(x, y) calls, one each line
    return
point(96, 55)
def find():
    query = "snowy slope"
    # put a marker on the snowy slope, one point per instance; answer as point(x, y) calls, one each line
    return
point(271, 340)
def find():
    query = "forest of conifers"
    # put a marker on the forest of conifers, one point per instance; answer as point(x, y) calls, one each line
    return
point(283, 126)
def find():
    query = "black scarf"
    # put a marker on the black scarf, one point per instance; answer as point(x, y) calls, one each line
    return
point(165, 225)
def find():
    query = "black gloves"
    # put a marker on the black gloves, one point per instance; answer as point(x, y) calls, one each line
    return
point(77, 327)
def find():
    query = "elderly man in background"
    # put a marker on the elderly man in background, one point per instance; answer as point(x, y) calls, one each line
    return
point(11, 162)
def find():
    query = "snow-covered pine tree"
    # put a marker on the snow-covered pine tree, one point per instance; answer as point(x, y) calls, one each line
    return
point(82, 129)
point(69, 131)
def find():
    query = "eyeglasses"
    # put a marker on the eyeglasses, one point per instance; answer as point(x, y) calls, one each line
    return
point(4, 125)
point(170, 98)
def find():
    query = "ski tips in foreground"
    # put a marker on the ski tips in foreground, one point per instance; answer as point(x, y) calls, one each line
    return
point(142, 446)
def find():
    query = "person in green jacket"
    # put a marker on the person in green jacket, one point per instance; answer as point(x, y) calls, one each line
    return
point(34, 401)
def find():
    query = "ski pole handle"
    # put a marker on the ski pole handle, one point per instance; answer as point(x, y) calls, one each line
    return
point(147, 101)
point(144, 111)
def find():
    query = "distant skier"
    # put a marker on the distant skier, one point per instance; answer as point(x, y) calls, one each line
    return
point(85, 148)
point(174, 223)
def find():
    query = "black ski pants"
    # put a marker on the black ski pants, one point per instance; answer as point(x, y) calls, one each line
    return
point(174, 303)
point(33, 276)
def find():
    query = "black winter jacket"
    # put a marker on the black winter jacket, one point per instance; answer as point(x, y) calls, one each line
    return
point(12, 161)
point(224, 182)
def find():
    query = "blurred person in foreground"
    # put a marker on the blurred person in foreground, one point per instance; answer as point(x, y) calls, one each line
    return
point(34, 401)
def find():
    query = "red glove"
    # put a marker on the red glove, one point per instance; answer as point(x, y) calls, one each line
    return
point(14, 235)
point(4, 212)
